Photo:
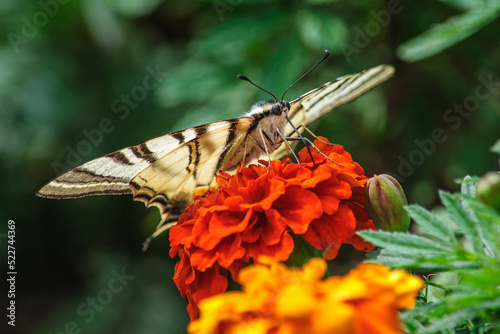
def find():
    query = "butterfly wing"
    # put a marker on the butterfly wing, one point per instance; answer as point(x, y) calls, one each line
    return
point(170, 182)
point(315, 104)
point(165, 171)
point(162, 172)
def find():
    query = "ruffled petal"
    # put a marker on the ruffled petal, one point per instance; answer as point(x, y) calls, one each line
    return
point(329, 230)
point(277, 299)
point(255, 211)
point(298, 207)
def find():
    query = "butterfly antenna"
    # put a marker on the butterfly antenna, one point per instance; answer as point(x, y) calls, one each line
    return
point(327, 53)
point(242, 77)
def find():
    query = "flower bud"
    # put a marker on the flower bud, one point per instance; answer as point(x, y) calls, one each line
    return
point(488, 190)
point(385, 201)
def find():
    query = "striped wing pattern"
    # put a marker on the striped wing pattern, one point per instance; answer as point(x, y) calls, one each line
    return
point(162, 172)
point(317, 103)
point(169, 183)
point(165, 171)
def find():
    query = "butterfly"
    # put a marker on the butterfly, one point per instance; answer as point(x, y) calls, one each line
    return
point(166, 171)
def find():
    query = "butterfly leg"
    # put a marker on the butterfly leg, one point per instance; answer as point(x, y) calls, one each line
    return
point(266, 150)
point(315, 147)
point(316, 137)
point(295, 130)
point(312, 134)
point(289, 147)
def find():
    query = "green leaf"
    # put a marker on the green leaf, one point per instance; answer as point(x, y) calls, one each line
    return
point(391, 259)
point(302, 252)
point(484, 281)
point(425, 263)
point(453, 312)
point(405, 243)
point(472, 297)
point(463, 220)
point(447, 34)
point(485, 212)
point(432, 224)
point(439, 286)
point(487, 222)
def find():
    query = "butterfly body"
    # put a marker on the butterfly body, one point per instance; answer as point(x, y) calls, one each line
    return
point(267, 131)
point(165, 171)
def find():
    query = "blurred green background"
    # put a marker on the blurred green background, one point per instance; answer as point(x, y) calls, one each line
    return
point(79, 79)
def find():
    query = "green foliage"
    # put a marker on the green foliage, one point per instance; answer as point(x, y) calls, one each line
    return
point(461, 245)
point(59, 79)
point(457, 28)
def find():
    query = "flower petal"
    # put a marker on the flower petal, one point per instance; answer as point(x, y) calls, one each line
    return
point(330, 230)
point(298, 207)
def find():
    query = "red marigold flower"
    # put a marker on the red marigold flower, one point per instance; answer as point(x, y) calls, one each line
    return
point(255, 211)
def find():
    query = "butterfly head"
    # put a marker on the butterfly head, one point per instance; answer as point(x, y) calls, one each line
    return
point(270, 108)
point(273, 115)
point(280, 107)
point(277, 107)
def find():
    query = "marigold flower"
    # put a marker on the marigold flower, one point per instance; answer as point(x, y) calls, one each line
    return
point(277, 299)
point(255, 211)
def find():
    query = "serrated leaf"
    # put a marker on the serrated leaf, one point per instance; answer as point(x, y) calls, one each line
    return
point(463, 220)
point(423, 314)
point(465, 308)
point(473, 296)
point(449, 321)
point(435, 262)
point(440, 265)
point(443, 264)
point(486, 281)
point(405, 243)
point(487, 222)
point(485, 212)
point(390, 259)
point(432, 224)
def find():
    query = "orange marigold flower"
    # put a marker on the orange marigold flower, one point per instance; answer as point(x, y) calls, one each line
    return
point(255, 211)
point(277, 299)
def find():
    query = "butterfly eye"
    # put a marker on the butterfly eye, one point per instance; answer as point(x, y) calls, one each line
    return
point(276, 110)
